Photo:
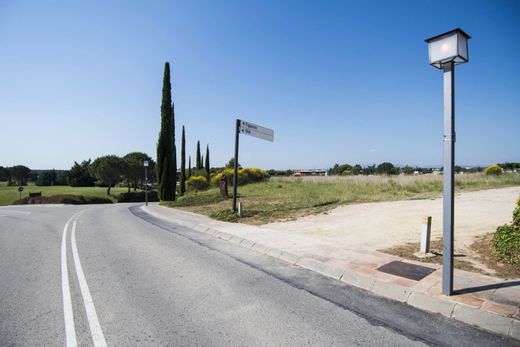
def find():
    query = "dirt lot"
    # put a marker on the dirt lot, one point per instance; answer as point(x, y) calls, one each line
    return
point(378, 226)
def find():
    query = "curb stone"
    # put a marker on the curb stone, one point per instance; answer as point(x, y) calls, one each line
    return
point(391, 291)
point(483, 319)
point(431, 304)
point(318, 266)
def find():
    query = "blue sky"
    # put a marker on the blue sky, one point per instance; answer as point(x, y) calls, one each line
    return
point(344, 81)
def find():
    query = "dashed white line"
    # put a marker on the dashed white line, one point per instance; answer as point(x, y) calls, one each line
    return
point(93, 321)
point(70, 331)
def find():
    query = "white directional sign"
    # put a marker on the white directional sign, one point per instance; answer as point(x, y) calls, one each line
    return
point(256, 131)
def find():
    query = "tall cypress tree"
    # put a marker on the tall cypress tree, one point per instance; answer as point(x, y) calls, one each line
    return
point(165, 176)
point(183, 163)
point(198, 160)
point(207, 162)
point(189, 166)
point(174, 168)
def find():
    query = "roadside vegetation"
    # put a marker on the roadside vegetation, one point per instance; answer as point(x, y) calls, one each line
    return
point(286, 198)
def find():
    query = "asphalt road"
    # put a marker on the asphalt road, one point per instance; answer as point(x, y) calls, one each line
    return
point(112, 275)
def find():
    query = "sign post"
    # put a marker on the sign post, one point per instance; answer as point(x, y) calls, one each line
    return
point(20, 189)
point(251, 130)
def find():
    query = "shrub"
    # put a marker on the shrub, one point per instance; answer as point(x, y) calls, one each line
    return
point(196, 183)
point(245, 176)
point(493, 170)
point(507, 239)
point(64, 199)
point(138, 197)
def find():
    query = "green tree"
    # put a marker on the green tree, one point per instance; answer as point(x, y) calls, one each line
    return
point(47, 178)
point(198, 160)
point(207, 162)
point(407, 170)
point(79, 175)
point(165, 144)
point(20, 174)
point(4, 174)
point(109, 170)
point(135, 168)
point(189, 166)
point(183, 163)
point(386, 168)
point(231, 164)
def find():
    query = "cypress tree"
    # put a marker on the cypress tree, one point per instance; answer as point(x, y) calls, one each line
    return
point(189, 166)
point(165, 145)
point(198, 160)
point(207, 162)
point(174, 168)
point(183, 162)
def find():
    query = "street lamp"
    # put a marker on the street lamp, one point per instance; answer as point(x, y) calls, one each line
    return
point(145, 163)
point(445, 51)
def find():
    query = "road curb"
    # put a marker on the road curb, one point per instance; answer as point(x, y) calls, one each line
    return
point(472, 315)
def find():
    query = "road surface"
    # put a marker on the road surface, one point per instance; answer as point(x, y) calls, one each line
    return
point(112, 275)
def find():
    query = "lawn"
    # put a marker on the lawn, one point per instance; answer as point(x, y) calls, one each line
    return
point(288, 198)
point(9, 194)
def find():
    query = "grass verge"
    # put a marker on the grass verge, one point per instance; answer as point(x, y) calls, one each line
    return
point(64, 199)
point(9, 194)
point(282, 199)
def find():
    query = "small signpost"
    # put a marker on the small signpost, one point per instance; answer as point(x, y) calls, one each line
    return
point(20, 189)
point(251, 129)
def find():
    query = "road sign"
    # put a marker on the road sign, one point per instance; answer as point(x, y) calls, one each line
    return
point(20, 189)
point(256, 131)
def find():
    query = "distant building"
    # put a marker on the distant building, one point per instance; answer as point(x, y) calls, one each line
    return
point(309, 172)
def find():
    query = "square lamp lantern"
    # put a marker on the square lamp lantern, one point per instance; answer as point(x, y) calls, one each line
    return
point(451, 46)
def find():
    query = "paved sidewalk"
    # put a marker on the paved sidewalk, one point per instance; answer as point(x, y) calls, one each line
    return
point(487, 302)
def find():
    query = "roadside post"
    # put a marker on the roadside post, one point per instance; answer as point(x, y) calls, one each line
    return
point(145, 163)
point(243, 127)
point(445, 51)
point(20, 190)
point(425, 235)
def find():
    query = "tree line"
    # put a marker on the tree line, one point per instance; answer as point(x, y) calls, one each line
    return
point(387, 168)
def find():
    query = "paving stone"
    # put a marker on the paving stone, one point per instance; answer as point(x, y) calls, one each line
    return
point(319, 266)
point(485, 320)
point(493, 307)
point(468, 299)
point(273, 252)
point(431, 303)
point(391, 290)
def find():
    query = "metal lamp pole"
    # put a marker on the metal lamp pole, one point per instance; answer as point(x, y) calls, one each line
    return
point(146, 182)
point(445, 51)
point(449, 178)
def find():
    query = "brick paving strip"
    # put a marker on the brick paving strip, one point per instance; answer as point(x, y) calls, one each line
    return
point(489, 303)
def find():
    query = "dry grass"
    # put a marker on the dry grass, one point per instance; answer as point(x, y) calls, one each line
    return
point(282, 199)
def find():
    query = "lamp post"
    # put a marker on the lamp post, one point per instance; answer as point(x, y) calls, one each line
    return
point(145, 164)
point(445, 51)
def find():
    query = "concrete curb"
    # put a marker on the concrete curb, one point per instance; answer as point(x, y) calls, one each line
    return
point(492, 322)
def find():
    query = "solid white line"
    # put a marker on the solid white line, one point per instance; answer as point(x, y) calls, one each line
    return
point(95, 327)
point(70, 331)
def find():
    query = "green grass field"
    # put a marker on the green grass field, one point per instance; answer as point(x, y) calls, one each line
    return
point(288, 198)
point(9, 194)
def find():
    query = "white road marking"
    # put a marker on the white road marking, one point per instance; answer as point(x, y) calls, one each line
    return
point(95, 327)
point(70, 331)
